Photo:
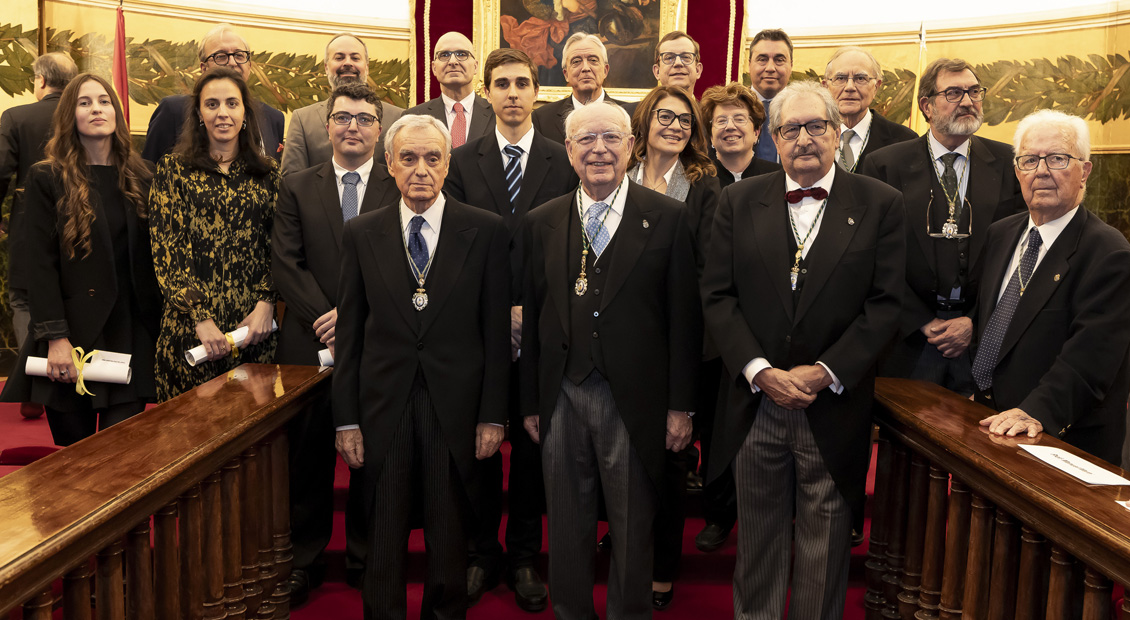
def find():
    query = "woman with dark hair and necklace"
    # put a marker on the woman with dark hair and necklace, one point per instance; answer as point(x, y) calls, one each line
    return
point(90, 273)
point(213, 202)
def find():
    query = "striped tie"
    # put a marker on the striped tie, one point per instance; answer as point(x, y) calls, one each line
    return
point(513, 173)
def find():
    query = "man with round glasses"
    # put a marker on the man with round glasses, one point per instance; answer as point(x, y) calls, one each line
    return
point(466, 115)
point(221, 47)
point(584, 61)
point(955, 184)
point(677, 61)
point(1053, 340)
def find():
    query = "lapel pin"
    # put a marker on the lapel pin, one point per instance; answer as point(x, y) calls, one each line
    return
point(851, 221)
point(1056, 278)
point(646, 225)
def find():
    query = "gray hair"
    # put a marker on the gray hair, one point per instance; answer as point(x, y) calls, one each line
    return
point(875, 68)
point(580, 37)
point(800, 89)
point(1073, 129)
point(579, 114)
point(57, 70)
point(416, 122)
point(216, 32)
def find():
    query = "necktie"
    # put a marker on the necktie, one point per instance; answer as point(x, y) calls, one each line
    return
point(513, 173)
point(417, 247)
point(795, 196)
point(847, 157)
point(765, 148)
point(949, 176)
point(986, 361)
point(594, 227)
point(459, 127)
point(349, 195)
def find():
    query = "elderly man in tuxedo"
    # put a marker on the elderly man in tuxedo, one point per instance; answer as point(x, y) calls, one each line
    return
point(804, 277)
point(1053, 339)
point(611, 342)
point(584, 61)
point(347, 61)
point(313, 206)
point(947, 175)
point(466, 115)
point(422, 369)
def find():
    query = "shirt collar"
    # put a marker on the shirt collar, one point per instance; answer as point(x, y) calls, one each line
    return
point(938, 149)
point(577, 102)
point(449, 103)
point(825, 182)
point(617, 205)
point(433, 215)
point(861, 128)
point(524, 143)
point(666, 175)
point(1049, 231)
point(363, 170)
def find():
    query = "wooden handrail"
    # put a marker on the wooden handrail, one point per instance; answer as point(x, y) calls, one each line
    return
point(59, 511)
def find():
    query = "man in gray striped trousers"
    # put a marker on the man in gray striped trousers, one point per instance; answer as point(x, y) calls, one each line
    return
point(803, 278)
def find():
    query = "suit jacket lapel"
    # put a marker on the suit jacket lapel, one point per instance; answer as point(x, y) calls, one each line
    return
point(380, 190)
point(490, 164)
point(387, 241)
point(770, 225)
point(435, 109)
point(831, 241)
point(996, 262)
point(481, 119)
point(455, 240)
point(566, 108)
point(557, 268)
point(331, 204)
point(983, 193)
point(537, 167)
point(631, 238)
point(916, 195)
point(679, 187)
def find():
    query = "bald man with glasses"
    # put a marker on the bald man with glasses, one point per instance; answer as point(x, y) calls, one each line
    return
point(466, 115)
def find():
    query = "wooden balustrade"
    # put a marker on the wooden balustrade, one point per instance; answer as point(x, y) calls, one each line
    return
point(967, 525)
point(181, 512)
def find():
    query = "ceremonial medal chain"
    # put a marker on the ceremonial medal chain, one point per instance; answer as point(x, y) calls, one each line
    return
point(794, 273)
point(862, 147)
point(582, 284)
point(420, 297)
point(949, 229)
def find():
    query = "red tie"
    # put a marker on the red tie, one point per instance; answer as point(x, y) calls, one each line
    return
point(795, 196)
point(459, 127)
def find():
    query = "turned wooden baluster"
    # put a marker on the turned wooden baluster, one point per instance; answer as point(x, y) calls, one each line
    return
point(213, 548)
point(1059, 585)
point(166, 562)
point(268, 572)
point(896, 529)
point(876, 565)
point(976, 602)
point(1096, 595)
point(911, 580)
point(39, 608)
point(191, 539)
point(139, 573)
point(234, 607)
point(280, 521)
point(76, 593)
point(1031, 596)
point(249, 536)
point(1005, 566)
point(957, 552)
point(933, 556)
point(111, 597)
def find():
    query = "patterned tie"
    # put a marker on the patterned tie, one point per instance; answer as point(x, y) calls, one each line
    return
point(766, 149)
point(349, 195)
point(417, 247)
point(513, 173)
point(986, 361)
point(847, 157)
point(949, 175)
point(594, 227)
point(459, 127)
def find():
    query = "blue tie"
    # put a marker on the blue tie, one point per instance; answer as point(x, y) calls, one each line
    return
point(986, 361)
point(417, 247)
point(594, 227)
point(513, 173)
point(349, 195)
point(766, 149)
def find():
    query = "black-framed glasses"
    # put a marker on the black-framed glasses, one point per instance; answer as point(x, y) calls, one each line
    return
point(345, 118)
point(815, 128)
point(610, 138)
point(241, 57)
point(460, 55)
point(860, 79)
point(1055, 161)
point(739, 120)
point(954, 94)
point(668, 58)
point(666, 117)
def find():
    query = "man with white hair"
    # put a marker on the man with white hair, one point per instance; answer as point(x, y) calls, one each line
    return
point(611, 342)
point(466, 115)
point(221, 47)
point(584, 61)
point(1053, 339)
point(803, 276)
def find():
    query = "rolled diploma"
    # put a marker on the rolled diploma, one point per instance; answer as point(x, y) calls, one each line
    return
point(197, 354)
point(325, 359)
point(100, 371)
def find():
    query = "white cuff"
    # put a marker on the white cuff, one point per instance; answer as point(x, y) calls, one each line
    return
point(348, 427)
point(836, 386)
point(751, 369)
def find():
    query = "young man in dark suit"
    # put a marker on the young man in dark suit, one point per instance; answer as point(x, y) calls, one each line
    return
point(804, 277)
point(423, 364)
point(313, 206)
point(509, 172)
point(466, 115)
point(1053, 339)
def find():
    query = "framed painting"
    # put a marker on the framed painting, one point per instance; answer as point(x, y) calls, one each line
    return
point(630, 30)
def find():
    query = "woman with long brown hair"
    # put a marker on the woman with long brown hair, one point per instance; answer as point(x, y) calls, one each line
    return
point(213, 203)
point(90, 273)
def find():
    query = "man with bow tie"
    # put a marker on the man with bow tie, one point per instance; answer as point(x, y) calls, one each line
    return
point(804, 276)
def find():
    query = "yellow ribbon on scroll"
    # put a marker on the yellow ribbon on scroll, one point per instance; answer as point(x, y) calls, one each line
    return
point(79, 358)
point(231, 342)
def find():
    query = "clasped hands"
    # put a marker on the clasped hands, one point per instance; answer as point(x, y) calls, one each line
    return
point(793, 389)
point(951, 336)
point(258, 325)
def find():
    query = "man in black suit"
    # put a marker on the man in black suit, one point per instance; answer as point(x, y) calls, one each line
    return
point(422, 370)
point(24, 131)
point(1053, 340)
point(306, 247)
point(770, 68)
point(466, 115)
point(221, 47)
point(584, 61)
point(853, 76)
point(947, 166)
point(611, 342)
point(804, 277)
point(509, 172)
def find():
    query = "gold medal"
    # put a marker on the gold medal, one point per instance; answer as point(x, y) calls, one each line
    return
point(420, 300)
point(582, 286)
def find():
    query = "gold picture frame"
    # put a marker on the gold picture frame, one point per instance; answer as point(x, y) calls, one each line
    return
point(672, 15)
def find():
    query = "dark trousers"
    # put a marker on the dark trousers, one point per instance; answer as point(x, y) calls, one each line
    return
point(312, 460)
point(914, 358)
point(418, 466)
point(719, 498)
point(68, 427)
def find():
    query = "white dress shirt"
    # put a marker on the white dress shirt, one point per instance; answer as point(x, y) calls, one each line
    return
point(666, 175)
point(615, 211)
point(363, 170)
point(960, 165)
point(433, 216)
point(1049, 232)
point(577, 105)
point(449, 110)
point(862, 129)
point(525, 143)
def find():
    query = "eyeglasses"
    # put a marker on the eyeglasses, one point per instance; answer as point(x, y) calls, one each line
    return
point(1055, 161)
point(345, 118)
point(610, 138)
point(814, 128)
point(459, 55)
point(955, 94)
point(221, 58)
point(860, 80)
point(666, 117)
point(668, 58)
point(739, 120)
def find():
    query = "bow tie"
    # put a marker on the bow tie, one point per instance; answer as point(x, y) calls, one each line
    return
point(795, 196)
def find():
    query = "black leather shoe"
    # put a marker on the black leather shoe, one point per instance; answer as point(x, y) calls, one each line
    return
point(662, 600)
point(298, 586)
point(694, 481)
point(478, 582)
point(604, 545)
point(529, 589)
point(856, 538)
point(711, 538)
